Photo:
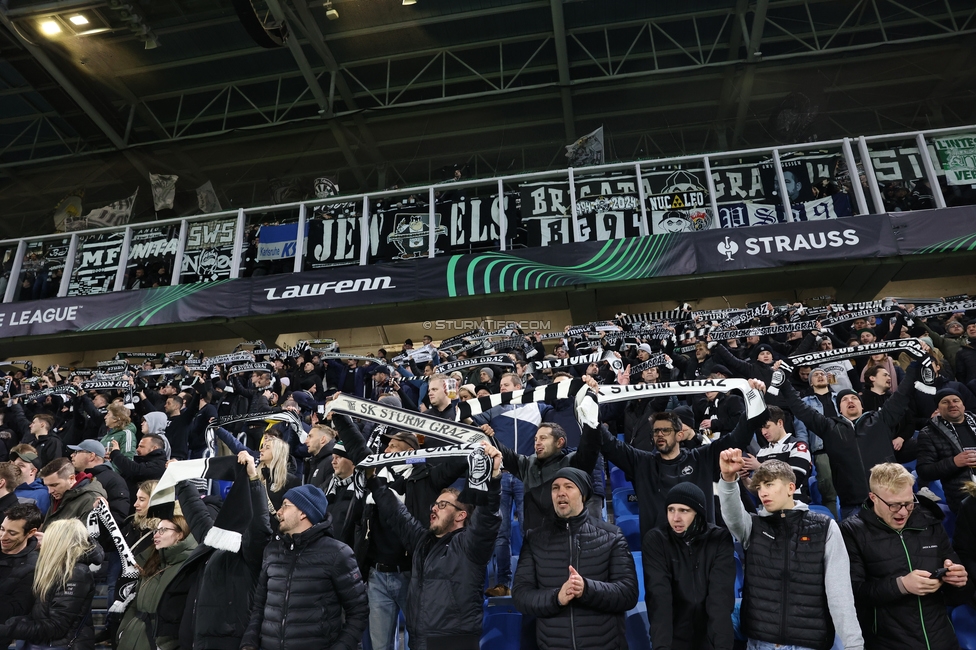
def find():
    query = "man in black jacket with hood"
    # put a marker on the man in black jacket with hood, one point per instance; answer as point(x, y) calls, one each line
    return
point(689, 576)
point(903, 568)
point(318, 466)
point(575, 574)
point(450, 556)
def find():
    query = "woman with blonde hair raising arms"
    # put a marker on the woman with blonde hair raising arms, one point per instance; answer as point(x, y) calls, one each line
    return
point(63, 589)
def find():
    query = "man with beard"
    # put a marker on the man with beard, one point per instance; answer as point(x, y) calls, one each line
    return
point(947, 447)
point(654, 474)
point(449, 561)
point(537, 472)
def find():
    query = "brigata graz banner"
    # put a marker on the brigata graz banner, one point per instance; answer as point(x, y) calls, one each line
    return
point(449, 276)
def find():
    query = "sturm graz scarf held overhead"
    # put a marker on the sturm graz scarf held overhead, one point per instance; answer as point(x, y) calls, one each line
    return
point(479, 463)
point(404, 420)
point(584, 360)
point(495, 360)
point(276, 415)
point(913, 347)
point(755, 404)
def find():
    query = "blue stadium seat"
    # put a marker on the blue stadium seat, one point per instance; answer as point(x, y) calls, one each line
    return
point(823, 510)
point(815, 496)
point(936, 487)
point(618, 479)
point(964, 621)
point(949, 520)
point(638, 563)
point(910, 466)
point(624, 502)
point(516, 541)
point(739, 574)
point(630, 526)
point(638, 637)
point(502, 627)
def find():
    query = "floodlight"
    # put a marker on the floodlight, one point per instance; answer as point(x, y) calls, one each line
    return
point(50, 27)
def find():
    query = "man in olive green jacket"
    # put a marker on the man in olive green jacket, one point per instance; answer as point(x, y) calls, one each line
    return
point(73, 495)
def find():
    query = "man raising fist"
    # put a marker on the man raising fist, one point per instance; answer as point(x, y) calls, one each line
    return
point(787, 542)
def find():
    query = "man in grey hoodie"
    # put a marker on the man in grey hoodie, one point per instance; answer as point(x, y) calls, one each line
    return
point(786, 539)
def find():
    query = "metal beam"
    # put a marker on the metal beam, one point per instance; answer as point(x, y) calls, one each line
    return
point(320, 97)
point(753, 56)
point(562, 64)
point(314, 35)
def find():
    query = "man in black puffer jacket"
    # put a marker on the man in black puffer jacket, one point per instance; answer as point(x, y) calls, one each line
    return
point(895, 543)
point(575, 574)
point(449, 561)
point(310, 594)
point(18, 555)
point(690, 576)
point(947, 447)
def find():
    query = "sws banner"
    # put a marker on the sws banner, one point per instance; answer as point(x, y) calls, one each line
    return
point(209, 251)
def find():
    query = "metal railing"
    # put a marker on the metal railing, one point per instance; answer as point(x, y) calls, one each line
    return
point(569, 175)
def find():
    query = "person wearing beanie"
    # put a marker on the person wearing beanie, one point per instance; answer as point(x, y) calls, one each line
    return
point(310, 593)
point(451, 549)
point(689, 576)
point(344, 508)
point(578, 597)
point(797, 590)
point(947, 447)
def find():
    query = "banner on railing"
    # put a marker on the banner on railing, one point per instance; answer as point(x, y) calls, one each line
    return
point(607, 208)
point(492, 273)
point(96, 264)
point(278, 242)
point(957, 156)
point(209, 251)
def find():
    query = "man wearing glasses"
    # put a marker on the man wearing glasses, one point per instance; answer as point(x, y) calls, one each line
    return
point(654, 474)
point(903, 568)
point(450, 553)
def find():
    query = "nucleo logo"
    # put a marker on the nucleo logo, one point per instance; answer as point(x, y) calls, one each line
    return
point(789, 243)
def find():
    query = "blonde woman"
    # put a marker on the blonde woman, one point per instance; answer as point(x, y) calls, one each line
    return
point(141, 627)
point(273, 465)
point(120, 429)
point(63, 589)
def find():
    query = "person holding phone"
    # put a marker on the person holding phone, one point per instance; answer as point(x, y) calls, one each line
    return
point(903, 568)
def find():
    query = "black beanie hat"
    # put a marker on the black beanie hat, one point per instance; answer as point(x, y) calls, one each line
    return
point(687, 494)
point(946, 392)
point(844, 393)
point(579, 477)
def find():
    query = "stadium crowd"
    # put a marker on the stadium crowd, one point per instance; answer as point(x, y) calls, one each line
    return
point(801, 482)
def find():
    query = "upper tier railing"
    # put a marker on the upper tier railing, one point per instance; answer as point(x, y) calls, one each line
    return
point(718, 190)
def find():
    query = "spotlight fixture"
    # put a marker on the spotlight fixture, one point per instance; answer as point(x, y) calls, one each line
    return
point(50, 28)
point(409, 3)
point(330, 13)
point(78, 19)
